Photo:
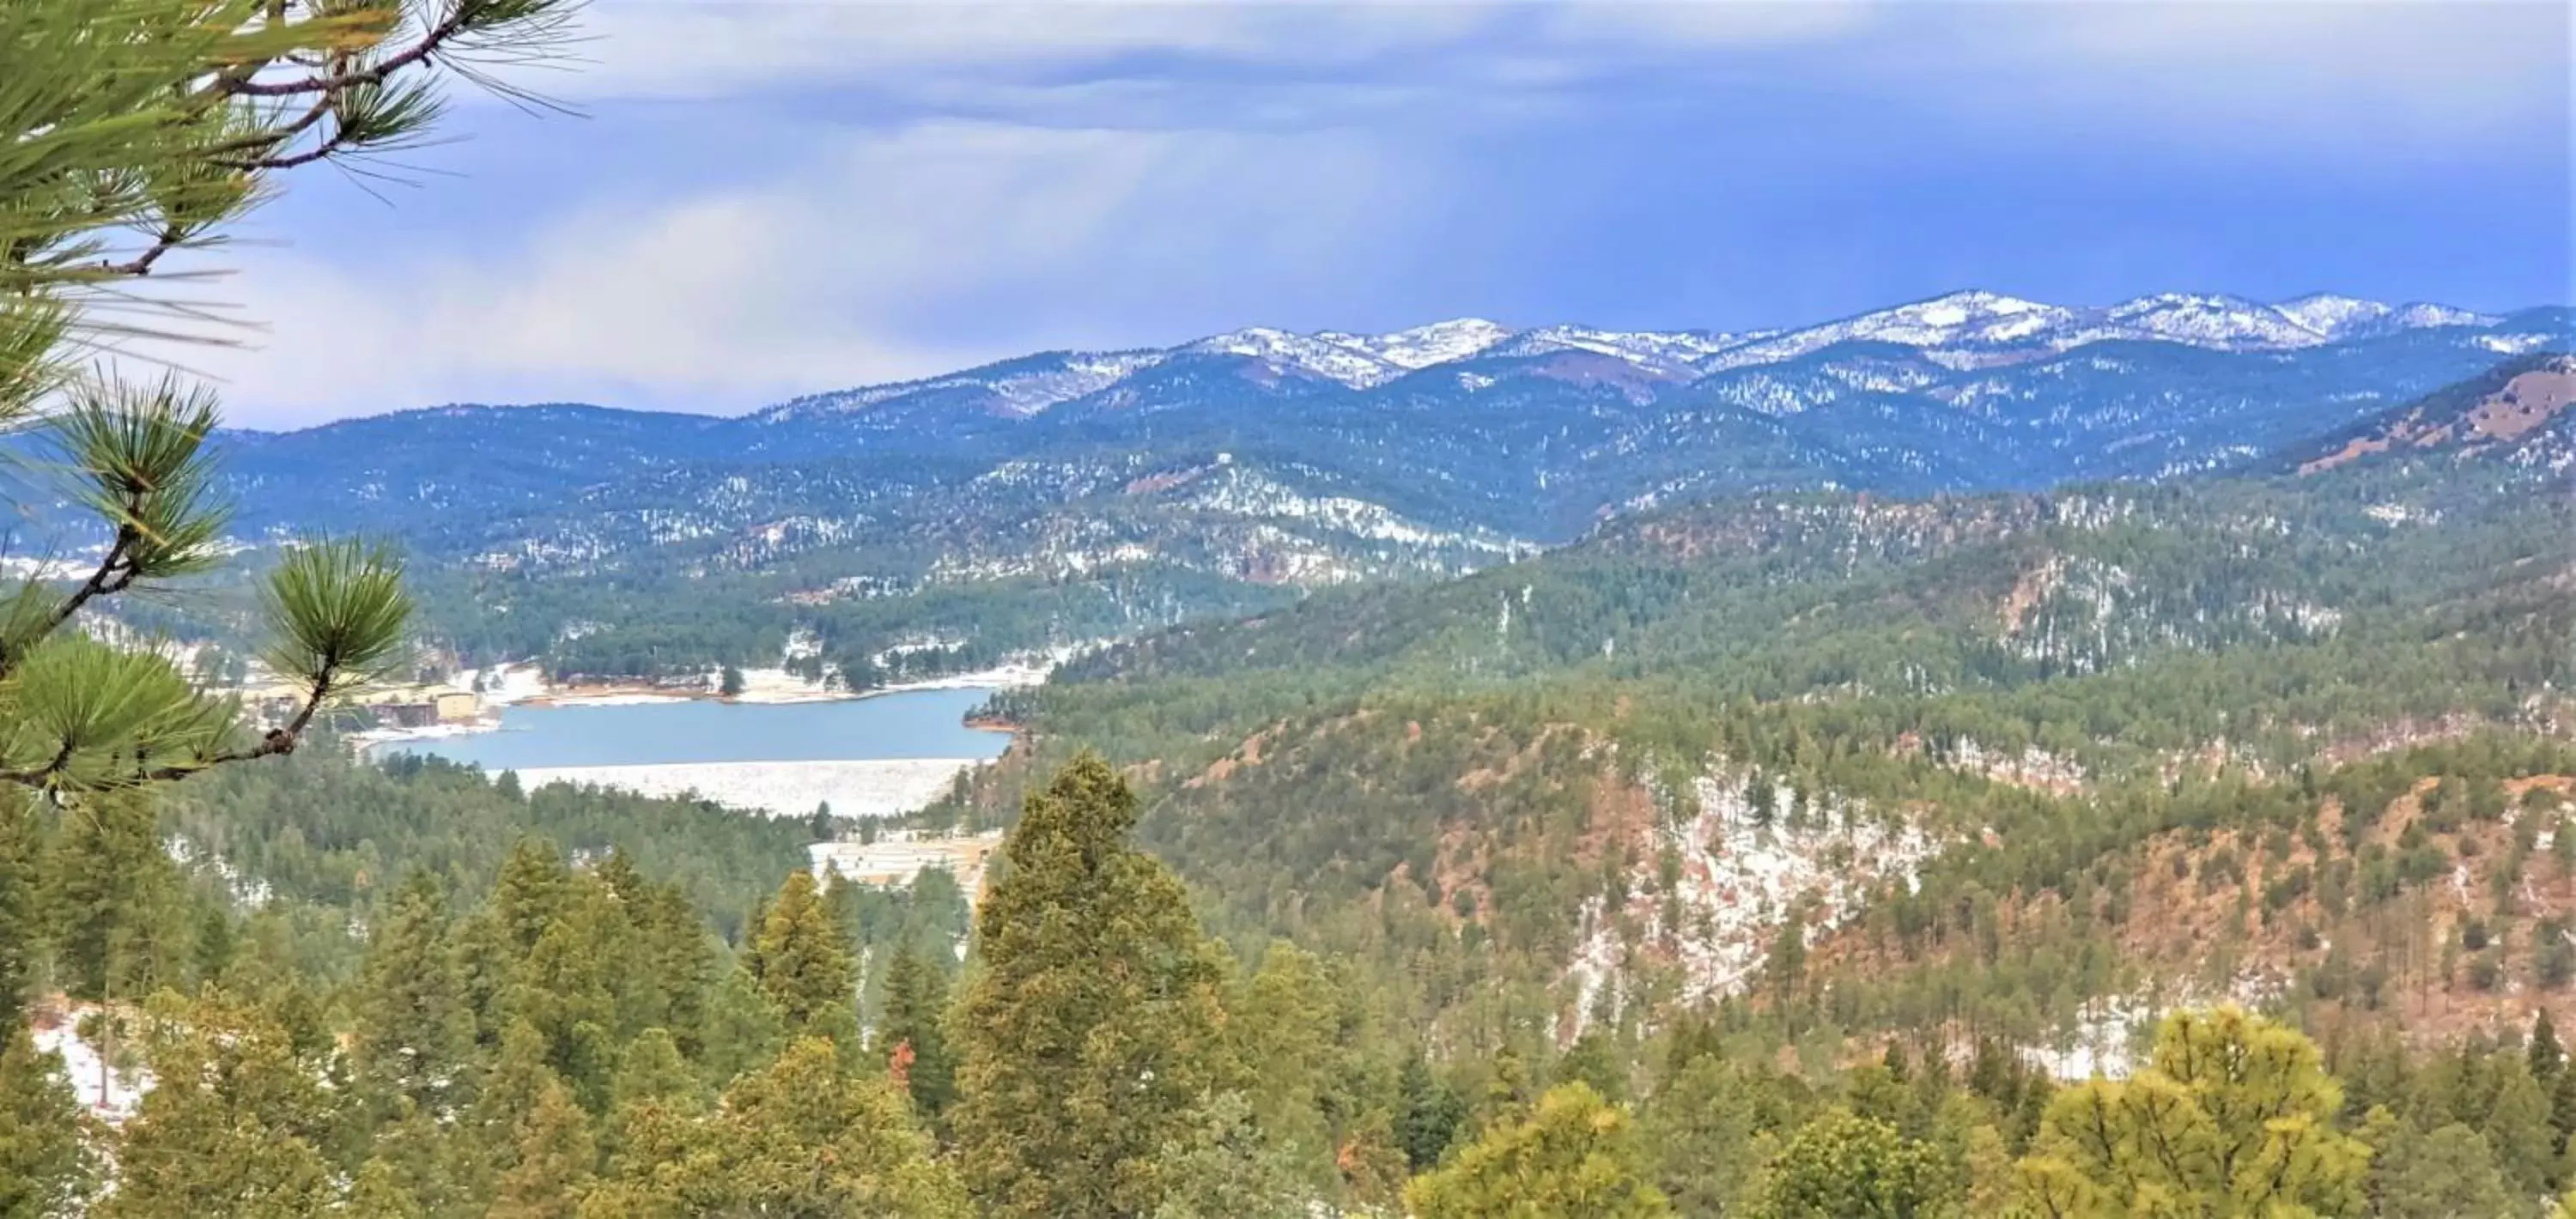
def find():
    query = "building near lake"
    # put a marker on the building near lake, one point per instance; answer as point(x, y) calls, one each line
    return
point(896, 858)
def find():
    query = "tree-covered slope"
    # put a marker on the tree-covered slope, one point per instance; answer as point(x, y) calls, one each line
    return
point(1609, 774)
point(1069, 497)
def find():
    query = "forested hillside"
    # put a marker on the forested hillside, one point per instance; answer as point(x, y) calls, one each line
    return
point(1678, 871)
point(1608, 774)
point(1069, 498)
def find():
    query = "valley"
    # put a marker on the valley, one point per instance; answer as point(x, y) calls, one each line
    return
point(1339, 611)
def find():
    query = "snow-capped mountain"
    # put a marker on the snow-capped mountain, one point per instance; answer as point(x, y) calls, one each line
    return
point(1437, 343)
point(1960, 331)
point(1079, 494)
point(1016, 387)
point(1311, 355)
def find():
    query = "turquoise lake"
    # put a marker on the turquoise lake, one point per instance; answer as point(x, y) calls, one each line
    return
point(910, 724)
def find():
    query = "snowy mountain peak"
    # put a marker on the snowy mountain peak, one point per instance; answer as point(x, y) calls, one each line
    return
point(2221, 321)
point(2332, 315)
point(1437, 343)
point(1675, 351)
point(1959, 331)
point(1958, 308)
point(1314, 355)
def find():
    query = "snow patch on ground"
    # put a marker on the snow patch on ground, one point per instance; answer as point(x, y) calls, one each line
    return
point(1741, 872)
point(111, 1094)
point(884, 787)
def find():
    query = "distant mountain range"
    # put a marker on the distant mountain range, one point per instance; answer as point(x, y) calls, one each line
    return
point(1958, 331)
point(1156, 484)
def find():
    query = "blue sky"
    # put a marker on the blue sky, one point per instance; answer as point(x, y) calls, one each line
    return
point(764, 199)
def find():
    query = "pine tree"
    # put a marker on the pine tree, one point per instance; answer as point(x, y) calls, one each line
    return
point(1226, 1169)
point(1286, 1029)
point(1093, 1029)
point(379, 1193)
point(532, 892)
point(743, 1030)
point(47, 1167)
point(1571, 1155)
point(563, 991)
point(416, 1160)
point(651, 1076)
point(2517, 1127)
point(2544, 1054)
point(2253, 1092)
point(413, 1031)
point(1842, 1164)
point(2562, 1108)
point(1700, 1130)
point(553, 1160)
point(804, 965)
point(651, 1069)
point(509, 1088)
point(22, 921)
point(799, 1137)
point(114, 895)
point(916, 1008)
point(1432, 1113)
point(233, 1126)
point(2449, 1172)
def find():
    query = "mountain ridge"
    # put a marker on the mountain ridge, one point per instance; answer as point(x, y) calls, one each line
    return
point(1070, 496)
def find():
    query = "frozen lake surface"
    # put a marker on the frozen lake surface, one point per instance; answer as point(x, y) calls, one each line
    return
point(869, 757)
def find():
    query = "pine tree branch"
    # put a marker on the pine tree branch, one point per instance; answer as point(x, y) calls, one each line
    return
point(435, 38)
point(170, 238)
point(114, 575)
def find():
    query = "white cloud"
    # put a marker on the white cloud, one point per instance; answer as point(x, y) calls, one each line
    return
point(2448, 64)
point(2424, 70)
point(697, 48)
point(891, 255)
point(1012, 177)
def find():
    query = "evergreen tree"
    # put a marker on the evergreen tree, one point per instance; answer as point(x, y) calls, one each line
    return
point(1286, 1030)
point(1596, 1059)
point(1093, 1028)
point(1844, 1166)
point(415, 1160)
point(2517, 1127)
point(553, 1161)
point(2562, 1106)
point(234, 1125)
point(114, 896)
point(651, 1069)
point(2250, 1091)
point(804, 966)
point(563, 990)
point(652, 1079)
point(1432, 1113)
point(413, 1033)
point(916, 1006)
point(1700, 1128)
point(1571, 1155)
point(532, 893)
point(47, 1167)
point(744, 1029)
point(379, 1193)
point(1226, 1169)
point(2545, 1056)
point(2447, 1173)
point(510, 1087)
point(22, 920)
point(800, 1137)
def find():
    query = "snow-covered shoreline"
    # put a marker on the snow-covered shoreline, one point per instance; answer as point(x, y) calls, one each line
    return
point(880, 787)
